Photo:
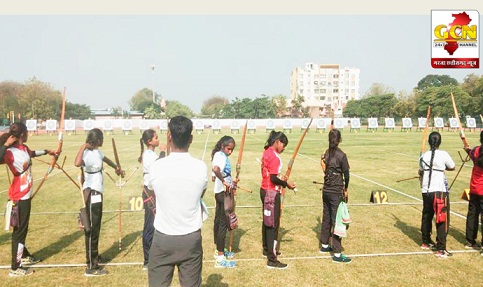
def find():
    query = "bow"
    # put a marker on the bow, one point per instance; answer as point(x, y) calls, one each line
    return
point(295, 152)
point(118, 163)
point(425, 132)
point(462, 133)
point(232, 189)
point(55, 157)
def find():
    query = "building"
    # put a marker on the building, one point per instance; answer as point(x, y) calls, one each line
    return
point(325, 87)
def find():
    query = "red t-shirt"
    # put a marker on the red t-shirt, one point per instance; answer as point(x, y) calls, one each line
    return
point(476, 183)
point(17, 158)
point(271, 164)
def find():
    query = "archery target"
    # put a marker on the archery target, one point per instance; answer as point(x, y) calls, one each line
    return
point(470, 123)
point(270, 124)
point(372, 123)
point(107, 125)
point(88, 125)
point(321, 124)
point(389, 122)
point(338, 123)
point(127, 125)
point(421, 123)
point(355, 123)
point(31, 125)
point(438, 123)
point(453, 123)
point(287, 124)
point(216, 125)
point(143, 125)
point(51, 125)
point(163, 125)
point(251, 125)
point(305, 124)
point(407, 123)
point(70, 125)
point(199, 125)
point(235, 125)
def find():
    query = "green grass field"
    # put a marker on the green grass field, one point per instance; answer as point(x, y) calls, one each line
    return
point(383, 239)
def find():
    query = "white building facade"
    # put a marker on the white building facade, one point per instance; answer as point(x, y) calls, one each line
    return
point(325, 87)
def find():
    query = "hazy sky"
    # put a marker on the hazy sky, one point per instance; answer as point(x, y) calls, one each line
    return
point(104, 60)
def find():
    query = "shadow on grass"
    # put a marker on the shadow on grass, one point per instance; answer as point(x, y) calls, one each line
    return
point(126, 241)
point(59, 245)
point(214, 280)
point(237, 235)
point(317, 228)
point(414, 233)
point(5, 238)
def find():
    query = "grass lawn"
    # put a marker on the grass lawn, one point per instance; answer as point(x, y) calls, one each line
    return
point(383, 239)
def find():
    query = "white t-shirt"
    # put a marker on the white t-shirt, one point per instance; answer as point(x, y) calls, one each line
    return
point(178, 181)
point(441, 161)
point(220, 159)
point(93, 169)
point(149, 157)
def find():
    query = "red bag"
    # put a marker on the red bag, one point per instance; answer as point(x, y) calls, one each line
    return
point(439, 206)
point(232, 221)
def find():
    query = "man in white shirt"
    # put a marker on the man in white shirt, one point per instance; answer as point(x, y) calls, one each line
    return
point(179, 182)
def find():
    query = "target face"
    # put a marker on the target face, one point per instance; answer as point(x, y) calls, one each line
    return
point(88, 125)
point(389, 123)
point(270, 124)
point(108, 126)
point(70, 125)
point(321, 124)
point(422, 122)
point(127, 125)
point(407, 123)
point(251, 124)
point(216, 125)
point(287, 124)
point(339, 124)
point(305, 124)
point(453, 122)
point(31, 125)
point(438, 123)
point(51, 125)
point(164, 125)
point(372, 123)
point(356, 123)
point(199, 125)
point(470, 122)
point(144, 125)
point(235, 125)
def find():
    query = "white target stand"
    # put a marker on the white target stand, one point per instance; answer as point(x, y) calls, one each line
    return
point(235, 127)
point(389, 124)
point(372, 125)
point(438, 124)
point(287, 126)
point(453, 124)
point(70, 127)
point(51, 127)
point(421, 124)
point(199, 127)
point(32, 127)
point(269, 126)
point(216, 127)
point(320, 126)
point(251, 127)
point(163, 126)
point(355, 125)
point(407, 124)
point(471, 124)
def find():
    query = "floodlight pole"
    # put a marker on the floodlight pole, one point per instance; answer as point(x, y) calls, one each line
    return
point(154, 97)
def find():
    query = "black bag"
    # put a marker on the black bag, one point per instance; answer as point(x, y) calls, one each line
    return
point(269, 208)
point(14, 216)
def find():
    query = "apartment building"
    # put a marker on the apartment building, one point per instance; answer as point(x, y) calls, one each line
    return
point(325, 87)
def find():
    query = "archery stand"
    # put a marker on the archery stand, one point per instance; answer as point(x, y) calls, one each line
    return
point(120, 184)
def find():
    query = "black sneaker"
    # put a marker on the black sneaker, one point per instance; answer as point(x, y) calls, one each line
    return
point(95, 272)
point(474, 246)
point(30, 260)
point(341, 259)
point(276, 265)
point(326, 249)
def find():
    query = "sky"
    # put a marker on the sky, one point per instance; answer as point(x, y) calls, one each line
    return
point(103, 60)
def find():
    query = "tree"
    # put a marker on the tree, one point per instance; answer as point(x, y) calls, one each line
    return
point(212, 106)
point(374, 106)
point(175, 108)
point(142, 100)
point(280, 102)
point(116, 112)
point(378, 89)
point(436, 81)
point(298, 111)
point(406, 105)
point(38, 100)
point(77, 111)
point(439, 98)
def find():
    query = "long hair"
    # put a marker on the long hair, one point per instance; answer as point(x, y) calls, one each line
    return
point(95, 137)
point(180, 128)
point(434, 141)
point(273, 137)
point(145, 138)
point(479, 160)
point(223, 142)
point(17, 130)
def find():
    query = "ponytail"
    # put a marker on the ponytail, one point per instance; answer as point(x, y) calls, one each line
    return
point(434, 143)
point(334, 139)
point(223, 142)
point(273, 137)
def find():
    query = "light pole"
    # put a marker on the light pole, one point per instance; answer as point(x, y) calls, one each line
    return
point(154, 97)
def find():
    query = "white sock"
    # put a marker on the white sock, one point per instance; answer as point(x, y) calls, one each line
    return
point(337, 254)
point(220, 258)
point(325, 245)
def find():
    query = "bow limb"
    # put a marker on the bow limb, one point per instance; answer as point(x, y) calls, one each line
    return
point(240, 152)
point(456, 114)
point(116, 157)
point(55, 157)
